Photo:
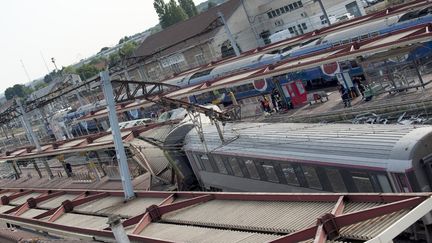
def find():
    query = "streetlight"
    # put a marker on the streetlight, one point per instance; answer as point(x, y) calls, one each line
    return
point(53, 61)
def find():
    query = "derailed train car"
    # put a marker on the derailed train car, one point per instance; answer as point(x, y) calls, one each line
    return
point(313, 158)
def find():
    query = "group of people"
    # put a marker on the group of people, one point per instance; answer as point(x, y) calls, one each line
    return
point(276, 100)
point(348, 94)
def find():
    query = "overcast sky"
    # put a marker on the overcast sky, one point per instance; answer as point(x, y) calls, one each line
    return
point(65, 29)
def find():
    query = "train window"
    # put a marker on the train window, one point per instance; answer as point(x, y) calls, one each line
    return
point(384, 183)
point(278, 12)
point(269, 15)
point(286, 9)
point(206, 162)
point(401, 180)
point(291, 7)
point(270, 173)
point(300, 4)
point(220, 164)
point(295, 5)
point(311, 177)
point(251, 168)
point(290, 174)
point(198, 162)
point(362, 182)
point(336, 180)
point(353, 64)
point(235, 166)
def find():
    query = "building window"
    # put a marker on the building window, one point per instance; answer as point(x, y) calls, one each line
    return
point(323, 20)
point(291, 30)
point(286, 9)
point(220, 164)
point(282, 10)
point(200, 59)
point(251, 168)
point(311, 177)
point(278, 12)
point(304, 26)
point(269, 14)
point(336, 180)
point(235, 166)
point(291, 7)
point(300, 4)
point(279, 22)
point(290, 175)
point(175, 67)
point(270, 173)
point(152, 75)
point(295, 5)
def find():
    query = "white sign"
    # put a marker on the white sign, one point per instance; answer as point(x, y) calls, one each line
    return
point(173, 59)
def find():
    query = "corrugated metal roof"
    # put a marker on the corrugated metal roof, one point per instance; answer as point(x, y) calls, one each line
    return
point(280, 217)
point(338, 143)
point(214, 217)
point(184, 233)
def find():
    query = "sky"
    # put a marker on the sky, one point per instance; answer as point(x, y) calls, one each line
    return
point(64, 29)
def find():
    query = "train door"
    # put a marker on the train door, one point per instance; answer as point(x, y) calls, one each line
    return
point(296, 91)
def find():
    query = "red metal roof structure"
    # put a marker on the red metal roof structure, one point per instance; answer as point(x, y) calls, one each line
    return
point(215, 217)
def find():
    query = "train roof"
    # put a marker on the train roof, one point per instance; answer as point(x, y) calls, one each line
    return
point(378, 147)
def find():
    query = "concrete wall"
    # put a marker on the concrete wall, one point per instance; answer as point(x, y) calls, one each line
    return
point(241, 30)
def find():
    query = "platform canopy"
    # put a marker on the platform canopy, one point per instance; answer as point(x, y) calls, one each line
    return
point(216, 217)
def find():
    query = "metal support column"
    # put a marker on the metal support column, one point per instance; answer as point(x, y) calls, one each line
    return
point(32, 136)
point(37, 169)
point(324, 11)
point(230, 37)
point(118, 142)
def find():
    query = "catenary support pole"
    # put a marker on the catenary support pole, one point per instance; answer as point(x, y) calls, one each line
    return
point(324, 11)
point(118, 142)
point(32, 136)
point(230, 37)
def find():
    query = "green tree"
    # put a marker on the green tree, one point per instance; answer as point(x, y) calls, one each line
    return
point(40, 85)
point(189, 7)
point(124, 39)
point(18, 90)
point(113, 59)
point(210, 5)
point(169, 13)
point(103, 49)
point(127, 49)
point(87, 71)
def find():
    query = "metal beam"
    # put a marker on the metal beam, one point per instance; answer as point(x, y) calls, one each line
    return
point(403, 223)
point(146, 219)
point(321, 234)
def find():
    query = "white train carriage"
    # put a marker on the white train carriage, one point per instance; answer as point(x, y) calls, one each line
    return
point(313, 158)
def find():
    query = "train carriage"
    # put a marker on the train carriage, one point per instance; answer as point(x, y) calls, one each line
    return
point(313, 158)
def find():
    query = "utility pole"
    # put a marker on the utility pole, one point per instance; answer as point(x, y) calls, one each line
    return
point(118, 142)
point(228, 32)
point(25, 70)
point(324, 11)
point(250, 23)
point(44, 61)
point(32, 136)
